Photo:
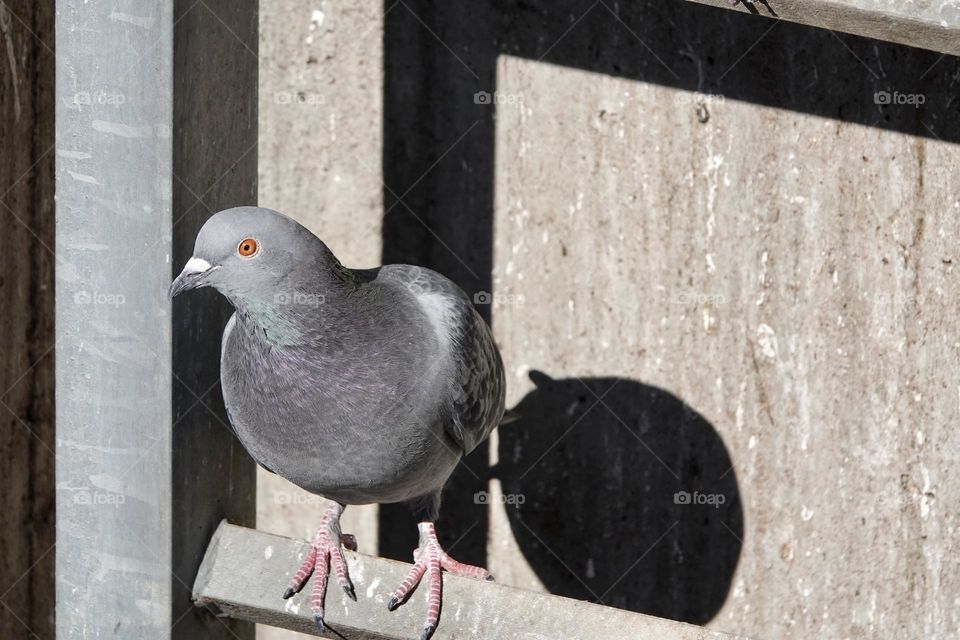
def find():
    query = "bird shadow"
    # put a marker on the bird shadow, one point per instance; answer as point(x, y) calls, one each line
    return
point(619, 492)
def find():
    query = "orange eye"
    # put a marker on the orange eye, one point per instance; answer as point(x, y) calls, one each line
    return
point(247, 247)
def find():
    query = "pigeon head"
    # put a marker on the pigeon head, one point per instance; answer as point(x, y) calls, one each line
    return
point(259, 260)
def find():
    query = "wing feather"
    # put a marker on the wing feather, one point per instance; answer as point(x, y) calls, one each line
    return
point(477, 406)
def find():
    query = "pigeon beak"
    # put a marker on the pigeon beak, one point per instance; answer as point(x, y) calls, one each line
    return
point(192, 277)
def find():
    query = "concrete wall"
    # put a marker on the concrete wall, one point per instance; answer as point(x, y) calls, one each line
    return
point(731, 263)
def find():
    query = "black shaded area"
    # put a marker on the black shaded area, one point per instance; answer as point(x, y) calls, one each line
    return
point(618, 492)
point(739, 56)
point(214, 155)
point(27, 285)
point(438, 171)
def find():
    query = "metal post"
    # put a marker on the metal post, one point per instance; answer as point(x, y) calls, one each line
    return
point(156, 124)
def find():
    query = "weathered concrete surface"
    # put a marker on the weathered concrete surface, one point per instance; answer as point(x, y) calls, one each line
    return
point(26, 319)
point(792, 278)
point(321, 77)
point(930, 25)
point(250, 590)
point(321, 83)
point(724, 223)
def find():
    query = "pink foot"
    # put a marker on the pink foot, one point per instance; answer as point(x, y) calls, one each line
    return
point(324, 552)
point(430, 558)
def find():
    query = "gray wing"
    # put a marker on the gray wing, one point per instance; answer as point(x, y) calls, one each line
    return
point(478, 378)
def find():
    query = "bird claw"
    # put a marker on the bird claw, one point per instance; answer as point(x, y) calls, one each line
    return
point(429, 560)
point(325, 556)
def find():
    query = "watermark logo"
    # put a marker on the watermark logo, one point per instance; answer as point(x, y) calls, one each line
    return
point(86, 497)
point(898, 299)
point(99, 298)
point(96, 498)
point(888, 98)
point(299, 97)
point(113, 99)
point(697, 297)
point(297, 499)
point(486, 97)
point(712, 499)
point(485, 297)
point(685, 98)
point(514, 499)
point(299, 298)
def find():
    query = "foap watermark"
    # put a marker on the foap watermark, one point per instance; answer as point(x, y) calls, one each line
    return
point(485, 297)
point(300, 97)
point(97, 498)
point(686, 297)
point(110, 98)
point(299, 298)
point(87, 497)
point(297, 499)
point(513, 499)
point(685, 98)
point(895, 97)
point(712, 499)
point(898, 299)
point(497, 97)
point(99, 298)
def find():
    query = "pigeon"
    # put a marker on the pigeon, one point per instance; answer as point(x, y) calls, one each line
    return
point(361, 386)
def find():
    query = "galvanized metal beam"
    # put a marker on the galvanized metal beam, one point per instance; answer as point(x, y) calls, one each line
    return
point(245, 572)
point(156, 125)
point(928, 25)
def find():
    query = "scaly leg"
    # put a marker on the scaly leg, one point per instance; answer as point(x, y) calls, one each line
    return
point(429, 558)
point(324, 552)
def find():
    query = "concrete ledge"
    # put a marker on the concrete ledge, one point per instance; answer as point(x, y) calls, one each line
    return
point(935, 25)
point(244, 573)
